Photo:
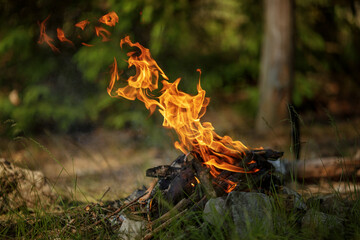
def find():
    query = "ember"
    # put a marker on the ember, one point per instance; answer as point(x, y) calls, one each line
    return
point(62, 38)
point(44, 38)
point(82, 24)
point(109, 19)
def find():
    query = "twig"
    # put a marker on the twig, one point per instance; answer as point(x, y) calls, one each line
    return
point(107, 190)
point(178, 207)
point(147, 193)
point(165, 224)
point(199, 203)
point(66, 226)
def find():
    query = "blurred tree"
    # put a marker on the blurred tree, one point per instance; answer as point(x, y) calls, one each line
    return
point(276, 73)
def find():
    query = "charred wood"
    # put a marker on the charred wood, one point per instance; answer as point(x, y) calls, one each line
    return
point(204, 176)
point(162, 171)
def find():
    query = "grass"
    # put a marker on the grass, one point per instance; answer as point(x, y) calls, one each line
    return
point(73, 220)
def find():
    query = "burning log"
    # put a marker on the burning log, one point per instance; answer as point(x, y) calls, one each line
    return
point(178, 192)
point(204, 179)
point(176, 183)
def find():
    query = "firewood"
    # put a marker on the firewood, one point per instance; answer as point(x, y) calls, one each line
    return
point(268, 154)
point(181, 186)
point(204, 177)
point(177, 208)
point(162, 171)
point(147, 194)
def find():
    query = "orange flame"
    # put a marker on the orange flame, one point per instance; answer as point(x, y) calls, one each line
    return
point(100, 31)
point(61, 36)
point(197, 180)
point(181, 112)
point(82, 24)
point(231, 185)
point(44, 37)
point(109, 19)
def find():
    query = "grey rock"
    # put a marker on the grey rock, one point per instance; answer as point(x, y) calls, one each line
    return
point(321, 223)
point(131, 229)
point(293, 199)
point(250, 212)
point(215, 211)
point(330, 204)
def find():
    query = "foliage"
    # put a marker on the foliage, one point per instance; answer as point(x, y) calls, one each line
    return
point(67, 91)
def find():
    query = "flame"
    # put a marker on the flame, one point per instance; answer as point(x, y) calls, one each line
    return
point(181, 112)
point(231, 185)
point(197, 180)
point(82, 24)
point(109, 19)
point(61, 36)
point(100, 31)
point(44, 37)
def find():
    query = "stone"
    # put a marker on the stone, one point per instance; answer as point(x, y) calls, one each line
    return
point(293, 200)
point(330, 204)
point(215, 211)
point(21, 187)
point(251, 212)
point(322, 224)
point(131, 229)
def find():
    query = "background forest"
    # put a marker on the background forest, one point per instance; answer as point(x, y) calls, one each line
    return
point(66, 92)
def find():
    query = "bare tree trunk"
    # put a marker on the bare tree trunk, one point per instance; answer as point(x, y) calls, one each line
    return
point(276, 73)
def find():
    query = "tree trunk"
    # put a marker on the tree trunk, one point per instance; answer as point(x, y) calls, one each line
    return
point(276, 73)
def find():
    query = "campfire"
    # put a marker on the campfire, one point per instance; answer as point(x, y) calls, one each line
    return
point(210, 165)
point(216, 163)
